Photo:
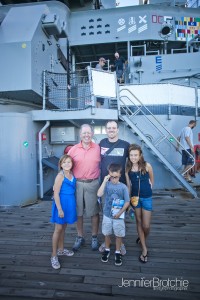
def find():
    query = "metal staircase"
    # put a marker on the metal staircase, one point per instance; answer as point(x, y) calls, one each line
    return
point(161, 135)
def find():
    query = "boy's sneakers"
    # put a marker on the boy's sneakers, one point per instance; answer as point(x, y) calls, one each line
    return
point(65, 252)
point(94, 243)
point(118, 259)
point(80, 241)
point(122, 249)
point(105, 256)
point(102, 247)
point(55, 263)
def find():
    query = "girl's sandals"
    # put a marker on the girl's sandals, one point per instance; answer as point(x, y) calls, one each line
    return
point(143, 258)
point(138, 241)
point(65, 252)
point(55, 263)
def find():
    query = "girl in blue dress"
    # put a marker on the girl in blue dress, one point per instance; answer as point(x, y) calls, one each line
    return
point(63, 208)
point(139, 178)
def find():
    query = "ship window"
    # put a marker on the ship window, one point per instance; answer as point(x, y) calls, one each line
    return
point(99, 130)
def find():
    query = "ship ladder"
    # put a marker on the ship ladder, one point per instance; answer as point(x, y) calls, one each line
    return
point(162, 135)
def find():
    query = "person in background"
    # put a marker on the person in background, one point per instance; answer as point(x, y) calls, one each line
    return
point(186, 140)
point(197, 158)
point(86, 156)
point(63, 208)
point(67, 148)
point(113, 220)
point(140, 179)
point(119, 65)
point(99, 66)
point(113, 150)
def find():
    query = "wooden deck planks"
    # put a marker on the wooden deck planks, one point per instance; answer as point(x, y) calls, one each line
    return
point(25, 249)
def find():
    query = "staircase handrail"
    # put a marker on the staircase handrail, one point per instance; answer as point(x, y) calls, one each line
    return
point(153, 116)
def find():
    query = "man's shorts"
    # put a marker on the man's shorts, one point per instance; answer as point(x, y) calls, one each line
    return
point(86, 198)
point(119, 74)
point(186, 159)
point(110, 225)
point(145, 203)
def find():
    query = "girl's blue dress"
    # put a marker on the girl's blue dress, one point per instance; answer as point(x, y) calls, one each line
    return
point(68, 203)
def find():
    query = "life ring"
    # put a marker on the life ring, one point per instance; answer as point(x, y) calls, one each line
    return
point(67, 148)
point(197, 153)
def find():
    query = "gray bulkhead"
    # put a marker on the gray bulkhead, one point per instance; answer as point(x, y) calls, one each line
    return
point(147, 48)
point(18, 175)
point(26, 48)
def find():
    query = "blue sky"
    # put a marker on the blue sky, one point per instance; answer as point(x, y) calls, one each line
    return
point(126, 2)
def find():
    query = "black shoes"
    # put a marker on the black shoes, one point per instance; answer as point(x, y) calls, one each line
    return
point(105, 256)
point(118, 259)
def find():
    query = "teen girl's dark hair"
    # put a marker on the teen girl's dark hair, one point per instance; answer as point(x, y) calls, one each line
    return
point(141, 162)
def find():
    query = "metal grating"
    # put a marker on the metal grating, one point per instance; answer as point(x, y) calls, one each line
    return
point(64, 96)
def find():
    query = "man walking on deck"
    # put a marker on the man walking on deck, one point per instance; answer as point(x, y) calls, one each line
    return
point(186, 140)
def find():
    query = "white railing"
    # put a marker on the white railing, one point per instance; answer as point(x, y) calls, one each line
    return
point(193, 3)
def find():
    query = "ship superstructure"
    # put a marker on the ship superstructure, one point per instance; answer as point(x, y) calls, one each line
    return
point(48, 52)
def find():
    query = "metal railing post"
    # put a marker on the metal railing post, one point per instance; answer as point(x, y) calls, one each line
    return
point(93, 98)
point(44, 91)
point(40, 158)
